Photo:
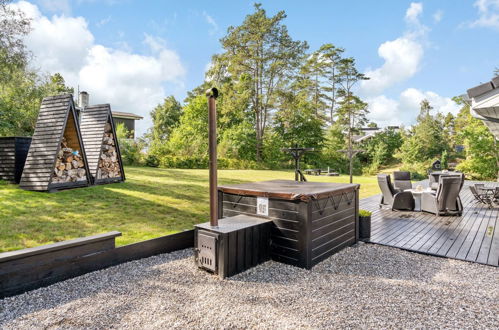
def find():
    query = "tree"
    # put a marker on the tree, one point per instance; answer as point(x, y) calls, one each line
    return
point(190, 137)
point(379, 149)
point(13, 27)
point(261, 52)
point(165, 117)
point(55, 85)
point(480, 146)
point(352, 111)
point(320, 77)
point(297, 123)
point(427, 138)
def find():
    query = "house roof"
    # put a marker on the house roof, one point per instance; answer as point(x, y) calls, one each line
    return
point(485, 104)
point(126, 115)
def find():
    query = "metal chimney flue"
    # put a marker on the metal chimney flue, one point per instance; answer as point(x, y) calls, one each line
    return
point(83, 99)
point(212, 94)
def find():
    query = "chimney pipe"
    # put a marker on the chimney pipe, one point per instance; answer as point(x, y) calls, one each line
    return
point(83, 99)
point(212, 94)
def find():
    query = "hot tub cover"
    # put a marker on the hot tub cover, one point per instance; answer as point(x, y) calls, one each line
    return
point(290, 190)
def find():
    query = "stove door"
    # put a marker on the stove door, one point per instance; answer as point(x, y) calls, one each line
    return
point(207, 250)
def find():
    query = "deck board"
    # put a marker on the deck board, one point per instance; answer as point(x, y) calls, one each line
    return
point(473, 237)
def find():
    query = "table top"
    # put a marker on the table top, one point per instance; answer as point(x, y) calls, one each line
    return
point(415, 191)
point(290, 190)
point(442, 172)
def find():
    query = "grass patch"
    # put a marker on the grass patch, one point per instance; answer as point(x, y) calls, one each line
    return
point(151, 203)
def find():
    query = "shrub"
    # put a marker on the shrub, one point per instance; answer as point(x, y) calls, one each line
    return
point(203, 162)
point(419, 171)
point(152, 161)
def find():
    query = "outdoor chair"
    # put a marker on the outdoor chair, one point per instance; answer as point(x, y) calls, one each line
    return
point(395, 199)
point(480, 197)
point(433, 178)
point(402, 180)
point(446, 199)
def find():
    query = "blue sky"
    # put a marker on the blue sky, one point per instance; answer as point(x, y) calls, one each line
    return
point(133, 53)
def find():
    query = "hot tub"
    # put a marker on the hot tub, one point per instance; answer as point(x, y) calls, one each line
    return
point(311, 220)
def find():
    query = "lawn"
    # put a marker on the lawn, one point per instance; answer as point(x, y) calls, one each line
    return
point(151, 203)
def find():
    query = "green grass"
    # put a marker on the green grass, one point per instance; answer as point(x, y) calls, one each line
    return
point(151, 203)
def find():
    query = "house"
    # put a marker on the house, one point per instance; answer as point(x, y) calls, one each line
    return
point(126, 118)
point(485, 104)
point(367, 133)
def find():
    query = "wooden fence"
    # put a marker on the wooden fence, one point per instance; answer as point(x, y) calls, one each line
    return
point(32, 268)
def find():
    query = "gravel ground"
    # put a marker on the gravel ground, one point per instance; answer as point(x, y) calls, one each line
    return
point(367, 286)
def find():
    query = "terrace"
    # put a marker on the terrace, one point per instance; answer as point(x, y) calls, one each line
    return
point(473, 237)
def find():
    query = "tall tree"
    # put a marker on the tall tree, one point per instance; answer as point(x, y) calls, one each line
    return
point(352, 111)
point(261, 52)
point(321, 73)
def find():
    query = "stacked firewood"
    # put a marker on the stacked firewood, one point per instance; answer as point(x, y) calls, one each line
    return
point(69, 166)
point(109, 166)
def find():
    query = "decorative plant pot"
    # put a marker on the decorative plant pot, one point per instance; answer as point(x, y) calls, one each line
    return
point(364, 228)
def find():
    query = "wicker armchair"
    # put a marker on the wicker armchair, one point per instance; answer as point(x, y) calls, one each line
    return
point(395, 199)
point(402, 180)
point(446, 199)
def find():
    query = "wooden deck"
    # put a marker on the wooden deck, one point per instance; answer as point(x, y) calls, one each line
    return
point(472, 237)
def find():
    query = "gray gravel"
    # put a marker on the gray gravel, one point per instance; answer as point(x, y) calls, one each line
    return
point(367, 286)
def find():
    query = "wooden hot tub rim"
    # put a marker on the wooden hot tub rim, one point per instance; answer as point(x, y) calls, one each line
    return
point(333, 189)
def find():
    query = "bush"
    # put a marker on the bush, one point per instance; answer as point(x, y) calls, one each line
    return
point(183, 162)
point(419, 171)
point(203, 162)
point(152, 161)
point(371, 169)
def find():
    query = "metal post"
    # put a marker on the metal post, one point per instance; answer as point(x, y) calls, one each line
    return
point(212, 94)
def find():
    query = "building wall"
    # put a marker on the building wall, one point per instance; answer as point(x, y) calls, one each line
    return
point(129, 124)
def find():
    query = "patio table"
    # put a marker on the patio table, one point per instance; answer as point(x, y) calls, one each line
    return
point(417, 197)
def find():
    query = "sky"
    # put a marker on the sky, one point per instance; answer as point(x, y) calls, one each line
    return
point(132, 54)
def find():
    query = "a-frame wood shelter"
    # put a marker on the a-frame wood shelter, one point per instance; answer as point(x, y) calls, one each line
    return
point(56, 158)
point(101, 144)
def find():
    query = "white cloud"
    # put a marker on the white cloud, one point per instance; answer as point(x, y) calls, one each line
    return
point(402, 56)
point(404, 110)
point(413, 12)
point(488, 14)
point(402, 60)
point(211, 21)
point(103, 21)
point(438, 15)
point(56, 6)
point(129, 81)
